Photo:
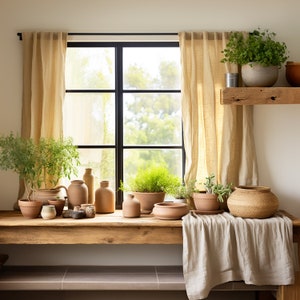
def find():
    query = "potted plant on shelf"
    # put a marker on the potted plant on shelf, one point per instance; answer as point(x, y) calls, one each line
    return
point(40, 165)
point(259, 55)
point(150, 185)
point(214, 195)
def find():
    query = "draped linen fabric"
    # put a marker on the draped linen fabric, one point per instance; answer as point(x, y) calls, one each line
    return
point(218, 138)
point(43, 84)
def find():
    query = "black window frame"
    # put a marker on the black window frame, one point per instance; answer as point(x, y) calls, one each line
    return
point(119, 146)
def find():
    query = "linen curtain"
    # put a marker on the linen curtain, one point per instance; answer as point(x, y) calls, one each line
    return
point(43, 83)
point(43, 86)
point(218, 138)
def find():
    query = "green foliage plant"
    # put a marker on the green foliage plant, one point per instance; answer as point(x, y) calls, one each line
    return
point(41, 164)
point(222, 191)
point(184, 191)
point(154, 179)
point(258, 46)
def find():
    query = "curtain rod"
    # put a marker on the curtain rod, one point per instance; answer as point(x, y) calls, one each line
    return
point(19, 34)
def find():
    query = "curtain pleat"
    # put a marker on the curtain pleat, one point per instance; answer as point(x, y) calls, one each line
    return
point(218, 138)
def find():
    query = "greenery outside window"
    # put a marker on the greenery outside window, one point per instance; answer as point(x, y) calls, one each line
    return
point(123, 107)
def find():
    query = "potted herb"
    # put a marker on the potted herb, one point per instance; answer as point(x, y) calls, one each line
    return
point(213, 196)
point(257, 52)
point(150, 185)
point(183, 192)
point(41, 165)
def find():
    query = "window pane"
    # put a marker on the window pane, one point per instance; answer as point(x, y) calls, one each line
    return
point(89, 118)
point(102, 161)
point(152, 119)
point(90, 68)
point(140, 158)
point(151, 68)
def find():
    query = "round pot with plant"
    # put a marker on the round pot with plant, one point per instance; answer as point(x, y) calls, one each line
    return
point(150, 185)
point(213, 197)
point(39, 164)
point(258, 53)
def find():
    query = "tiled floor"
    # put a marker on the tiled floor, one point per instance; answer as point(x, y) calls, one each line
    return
point(101, 278)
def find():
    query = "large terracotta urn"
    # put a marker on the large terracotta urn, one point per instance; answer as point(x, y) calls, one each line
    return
point(252, 202)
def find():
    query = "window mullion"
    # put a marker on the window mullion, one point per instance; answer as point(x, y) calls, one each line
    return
point(119, 122)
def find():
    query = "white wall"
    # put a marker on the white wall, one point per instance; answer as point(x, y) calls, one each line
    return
point(276, 127)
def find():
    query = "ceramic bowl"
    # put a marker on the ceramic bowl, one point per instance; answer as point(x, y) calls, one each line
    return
point(292, 73)
point(170, 210)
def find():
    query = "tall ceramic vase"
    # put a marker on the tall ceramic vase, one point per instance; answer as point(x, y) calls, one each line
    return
point(88, 178)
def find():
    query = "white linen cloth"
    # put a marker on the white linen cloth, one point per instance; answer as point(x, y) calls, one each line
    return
point(222, 248)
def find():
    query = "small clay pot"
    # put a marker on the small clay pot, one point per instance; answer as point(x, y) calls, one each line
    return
point(170, 210)
point(30, 209)
point(48, 212)
point(206, 202)
point(292, 73)
point(59, 205)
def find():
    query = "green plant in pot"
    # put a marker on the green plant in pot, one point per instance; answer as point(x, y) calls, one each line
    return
point(258, 53)
point(150, 185)
point(184, 192)
point(213, 197)
point(40, 165)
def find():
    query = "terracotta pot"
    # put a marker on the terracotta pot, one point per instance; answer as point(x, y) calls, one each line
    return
point(170, 211)
point(147, 200)
point(254, 74)
point(292, 73)
point(206, 202)
point(30, 209)
point(59, 205)
point(252, 202)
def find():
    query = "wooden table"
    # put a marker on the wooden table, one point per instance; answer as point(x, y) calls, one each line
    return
point(110, 229)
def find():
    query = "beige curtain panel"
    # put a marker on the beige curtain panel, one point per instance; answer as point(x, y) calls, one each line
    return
point(43, 83)
point(43, 86)
point(218, 138)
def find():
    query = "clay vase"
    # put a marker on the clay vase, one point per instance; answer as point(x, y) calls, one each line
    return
point(89, 180)
point(131, 207)
point(77, 193)
point(147, 200)
point(206, 202)
point(252, 202)
point(104, 198)
point(30, 209)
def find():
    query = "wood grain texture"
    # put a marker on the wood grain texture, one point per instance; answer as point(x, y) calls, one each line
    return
point(260, 95)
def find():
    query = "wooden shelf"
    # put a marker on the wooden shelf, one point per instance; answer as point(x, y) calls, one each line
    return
point(103, 229)
point(260, 95)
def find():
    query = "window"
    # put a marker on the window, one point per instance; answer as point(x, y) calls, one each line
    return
point(122, 107)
